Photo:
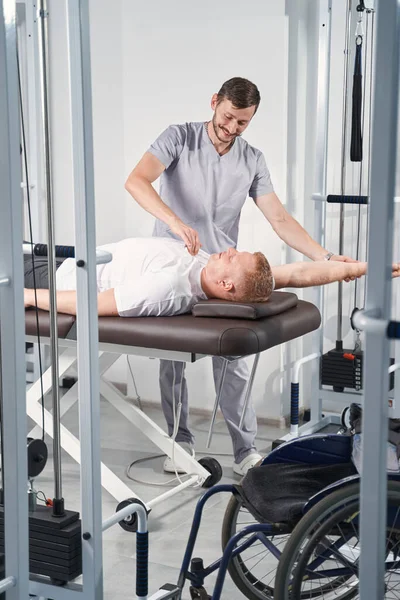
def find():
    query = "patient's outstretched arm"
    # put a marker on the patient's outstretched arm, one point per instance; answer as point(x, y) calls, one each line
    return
point(66, 301)
point(306, 274)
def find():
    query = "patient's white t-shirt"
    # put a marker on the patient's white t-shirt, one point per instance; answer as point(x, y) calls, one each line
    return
point(150, 276)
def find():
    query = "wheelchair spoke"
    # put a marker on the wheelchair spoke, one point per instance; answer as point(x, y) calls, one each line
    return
point(395, 521)
point(325, 565)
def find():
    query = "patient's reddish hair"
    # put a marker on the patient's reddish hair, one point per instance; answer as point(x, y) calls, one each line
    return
point(257, 284)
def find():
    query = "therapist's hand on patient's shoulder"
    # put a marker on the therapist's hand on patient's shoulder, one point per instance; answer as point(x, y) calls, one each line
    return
point(187, 234)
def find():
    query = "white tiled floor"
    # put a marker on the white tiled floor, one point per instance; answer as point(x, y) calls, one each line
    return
point(170, 521)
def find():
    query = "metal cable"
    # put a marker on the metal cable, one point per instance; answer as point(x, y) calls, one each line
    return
point(370, 119)
point(43, 41)
point(28, 197)
point(366, 39)
point(343, 174)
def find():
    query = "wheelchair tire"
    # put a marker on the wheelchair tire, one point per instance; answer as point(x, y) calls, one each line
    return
point(240, 571)
point(311, 536)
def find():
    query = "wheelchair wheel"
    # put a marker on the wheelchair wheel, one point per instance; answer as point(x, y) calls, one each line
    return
point(321, 558)
point(252, 571)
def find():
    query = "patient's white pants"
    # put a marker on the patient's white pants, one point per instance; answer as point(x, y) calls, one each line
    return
point(231, 402)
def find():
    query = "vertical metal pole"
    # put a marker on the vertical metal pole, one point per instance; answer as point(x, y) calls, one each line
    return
point(321, 150)
point(343, 175)
point(249, 389)
point(12, 330)
point(33, 107)
point(217, 401)
point(43, 43)
point(85, 237)
point(380, 238)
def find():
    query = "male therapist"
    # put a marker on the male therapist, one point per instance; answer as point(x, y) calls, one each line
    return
point(207, 171)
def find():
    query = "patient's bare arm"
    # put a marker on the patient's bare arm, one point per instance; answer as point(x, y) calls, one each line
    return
point(306, 274)
point(66, 301)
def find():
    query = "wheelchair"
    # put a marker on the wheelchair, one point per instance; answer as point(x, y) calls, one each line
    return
point(291, 527)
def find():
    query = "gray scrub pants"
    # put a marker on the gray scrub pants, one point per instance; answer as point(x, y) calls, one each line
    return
point(231, 403)
point(37, 271)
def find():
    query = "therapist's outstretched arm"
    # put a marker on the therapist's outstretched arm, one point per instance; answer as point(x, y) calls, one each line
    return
point(290, 230)
point(66, 301)
point(139, 185)
point(306, 274)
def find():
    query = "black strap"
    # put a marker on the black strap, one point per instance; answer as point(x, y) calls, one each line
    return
point(356, 133)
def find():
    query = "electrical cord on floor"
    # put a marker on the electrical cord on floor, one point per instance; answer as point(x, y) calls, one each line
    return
point(169, 482)
point(177, 415)
point(138, 398)
point(152, 483)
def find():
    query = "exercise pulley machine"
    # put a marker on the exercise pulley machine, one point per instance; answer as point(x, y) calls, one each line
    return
point(343, 367)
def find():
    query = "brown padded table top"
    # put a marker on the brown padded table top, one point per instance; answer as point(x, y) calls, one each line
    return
point(215, 336)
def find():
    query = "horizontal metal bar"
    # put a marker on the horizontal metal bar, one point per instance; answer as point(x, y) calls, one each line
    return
point(394, 367)
point(127, 512)
point(7, 583)
point(300, 362)
point(318, 197)
point(313, 426)
point(369, 321)
point(322, 198)
point(39, 586)
point(164, 594)
point(344, 199)
point(191, 481)
point(102, 256)
point(4, 281)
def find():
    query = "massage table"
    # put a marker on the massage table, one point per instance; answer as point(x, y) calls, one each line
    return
point(214, 328)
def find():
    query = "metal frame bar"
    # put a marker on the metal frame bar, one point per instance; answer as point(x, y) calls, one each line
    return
point(32, 112)
point(321, 151)
point(15, 475)
point(249, 388)
point(85, 234)
point(343, 160)
point(217, 401)
point(48, 180)
point(380, 239)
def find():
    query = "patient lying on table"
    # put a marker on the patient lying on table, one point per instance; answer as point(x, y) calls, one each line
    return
point(158, 277)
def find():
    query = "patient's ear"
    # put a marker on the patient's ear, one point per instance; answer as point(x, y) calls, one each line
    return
point(226, 285)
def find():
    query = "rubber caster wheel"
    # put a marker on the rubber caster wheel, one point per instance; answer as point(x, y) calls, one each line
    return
point(198, 593)
point(214, 468)
point(130, 523)
point(345, 419)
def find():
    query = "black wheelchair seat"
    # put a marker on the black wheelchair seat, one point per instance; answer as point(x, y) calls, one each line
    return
point(277, 493)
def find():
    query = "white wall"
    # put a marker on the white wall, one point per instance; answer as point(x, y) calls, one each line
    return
point(108, 126)
point(108, 119)
point(60, 130)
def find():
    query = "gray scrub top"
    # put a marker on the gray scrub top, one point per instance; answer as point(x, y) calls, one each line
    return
point(207, 191)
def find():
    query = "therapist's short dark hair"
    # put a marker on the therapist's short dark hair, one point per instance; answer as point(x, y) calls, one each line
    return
point(257, 284)
point(241, 92)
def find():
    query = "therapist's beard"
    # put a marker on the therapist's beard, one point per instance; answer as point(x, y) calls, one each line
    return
point(217, 128)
